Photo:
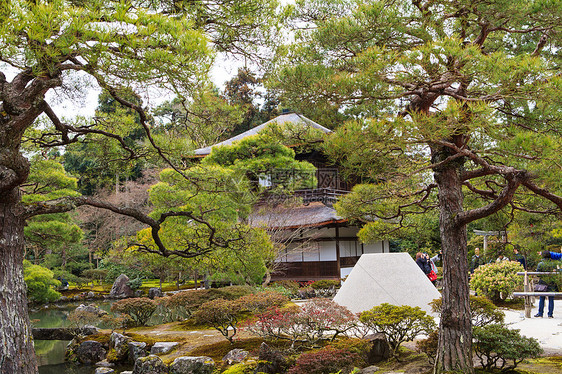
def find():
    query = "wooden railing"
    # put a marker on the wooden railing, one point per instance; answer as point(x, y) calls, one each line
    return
point(528, 293)
point(327, 196)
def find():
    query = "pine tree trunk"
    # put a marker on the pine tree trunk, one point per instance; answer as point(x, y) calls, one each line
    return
point(454, 352)
point(17, 354)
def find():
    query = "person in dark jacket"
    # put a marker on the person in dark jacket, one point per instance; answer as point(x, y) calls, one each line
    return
point(545, 266)
point(423, 262)
point(476, 260)
point(520, 258)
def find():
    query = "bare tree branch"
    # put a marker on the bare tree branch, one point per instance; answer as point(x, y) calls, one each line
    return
point(192, 247)
point(543, 192)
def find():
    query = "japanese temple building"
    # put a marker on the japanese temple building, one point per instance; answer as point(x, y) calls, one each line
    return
point(318, 243)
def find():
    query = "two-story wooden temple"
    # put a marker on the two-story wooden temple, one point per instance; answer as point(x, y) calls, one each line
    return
point(318, 244)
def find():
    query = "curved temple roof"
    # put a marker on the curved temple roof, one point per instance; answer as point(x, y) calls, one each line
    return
point(289, 118)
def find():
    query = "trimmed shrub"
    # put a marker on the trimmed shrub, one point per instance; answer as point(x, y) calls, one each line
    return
point(135, 283)
point(483, 311)
point(289, 293)
point(429, 346)
point(95, 275)
point(290, 285)
point(230, 292)
point(497, 280)
point(398, 323)
point(119, 322)
point(325, 361)
point(242, 368)
point(316, 320)
point(326, 287)
point(361, 347)
point(183, 304)
point(276, 324)
point(325, 283)
point(82, 318)
point(260, 302)
point(140, 309)
point(40, 283)
point(220, 314)
point(322, 318)
point(499, 347)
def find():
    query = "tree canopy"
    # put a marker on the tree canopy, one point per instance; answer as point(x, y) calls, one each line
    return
point(455, 107)
point(61, 48)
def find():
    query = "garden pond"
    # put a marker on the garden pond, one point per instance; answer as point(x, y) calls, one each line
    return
point(50, 353)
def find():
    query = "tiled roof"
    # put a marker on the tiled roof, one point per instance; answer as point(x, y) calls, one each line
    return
point(312, 215)
point(289, 118)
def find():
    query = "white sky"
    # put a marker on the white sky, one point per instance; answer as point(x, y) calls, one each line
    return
point(223, 70)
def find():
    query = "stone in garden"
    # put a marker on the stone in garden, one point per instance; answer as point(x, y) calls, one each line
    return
point(235, 356)
point(271, 361)
point(103, 370)
point(90, 352)
point(91, 308)
point(392, 278)
point(149, 365)
point(162, 347)
point(120, 344)
point(120, 288)
point(105, 364)
point(90, 295)
point(380, 350)
point(192, 365)
point(154, 292)
point(136, 350)
point(370, 370)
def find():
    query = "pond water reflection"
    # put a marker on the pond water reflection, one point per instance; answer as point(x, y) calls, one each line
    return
point(50, 353)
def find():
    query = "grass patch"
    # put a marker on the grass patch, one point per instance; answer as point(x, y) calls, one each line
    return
point(166, 286)
point(143, 338)
point(408, 361)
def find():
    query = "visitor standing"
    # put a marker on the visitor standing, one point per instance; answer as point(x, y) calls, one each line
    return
point(520, 258)
point(423, 262)
point(476, 260)
point(501, 258)
point(546, 266)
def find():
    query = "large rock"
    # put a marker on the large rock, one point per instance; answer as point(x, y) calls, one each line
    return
point(160, 348)
point(154, 292)
point(90, 352)
point(149, 365)
point(380, 350)
point(104, 370)
point(91, 308)
point(271, 361)
point(235, 356)
point(392, 278)
point(192, 365)
point(370, 370)
point(136, 350)
point(119, 346)
point(120, 288)
point(105, 364)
